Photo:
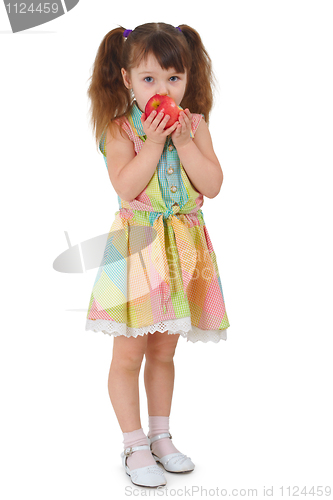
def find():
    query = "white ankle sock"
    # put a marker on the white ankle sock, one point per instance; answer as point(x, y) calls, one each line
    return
point(139, 458)
point(163, 446)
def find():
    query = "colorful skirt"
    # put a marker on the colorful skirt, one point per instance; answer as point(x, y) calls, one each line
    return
point(159, 273)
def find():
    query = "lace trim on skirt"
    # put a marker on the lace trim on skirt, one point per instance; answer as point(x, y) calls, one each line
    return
point(183, 326)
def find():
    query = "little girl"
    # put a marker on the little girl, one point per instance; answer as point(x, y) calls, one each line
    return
point(159, 277)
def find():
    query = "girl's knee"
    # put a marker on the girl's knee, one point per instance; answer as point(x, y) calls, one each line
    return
point(162, 348)
point(128, 352)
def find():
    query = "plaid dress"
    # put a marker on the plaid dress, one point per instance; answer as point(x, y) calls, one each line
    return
point(159, 269)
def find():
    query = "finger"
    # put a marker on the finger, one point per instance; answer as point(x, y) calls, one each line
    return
point(158, 120)
point(151, 116)
point(186, 125)
point(184, 119)
point(164, 122)
point(172, 127)
point(187, 117)
point(183, 123)
point(178, 129)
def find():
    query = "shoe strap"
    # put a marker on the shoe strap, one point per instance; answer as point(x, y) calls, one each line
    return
point(130, 450)
point(160, 436)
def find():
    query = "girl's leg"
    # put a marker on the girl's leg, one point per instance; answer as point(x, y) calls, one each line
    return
point(159, 382)
point(160, 372)
point(123, 383)
point(123, 387)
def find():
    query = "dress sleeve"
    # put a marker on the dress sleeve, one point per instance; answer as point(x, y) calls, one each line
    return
point(196, 119)
point(124, 125)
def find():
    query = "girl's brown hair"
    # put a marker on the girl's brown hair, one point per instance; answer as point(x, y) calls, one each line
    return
point(110, 99)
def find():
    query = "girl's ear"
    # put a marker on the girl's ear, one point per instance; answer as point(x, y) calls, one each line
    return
point(126, 79)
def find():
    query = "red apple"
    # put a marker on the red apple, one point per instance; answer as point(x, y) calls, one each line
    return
point(165, 104)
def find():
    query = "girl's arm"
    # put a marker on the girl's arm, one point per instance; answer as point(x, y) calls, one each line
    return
point(129, 172)
point(198, 158)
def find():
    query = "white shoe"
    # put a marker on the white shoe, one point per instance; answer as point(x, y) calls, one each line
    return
point(151, 475)
point(173, 462)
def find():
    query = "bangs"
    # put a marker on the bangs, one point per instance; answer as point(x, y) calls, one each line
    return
point(167, 53)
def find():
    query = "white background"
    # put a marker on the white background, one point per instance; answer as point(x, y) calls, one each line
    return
point(253, 411)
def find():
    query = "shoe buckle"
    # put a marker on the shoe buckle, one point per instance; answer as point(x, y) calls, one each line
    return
point(128, 452)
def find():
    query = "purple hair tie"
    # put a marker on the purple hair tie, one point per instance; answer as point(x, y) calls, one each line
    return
point(178, 28)
point(126, 33)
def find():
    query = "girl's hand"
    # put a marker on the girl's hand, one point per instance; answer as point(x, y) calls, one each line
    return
point(182, 135)
point(154, 125)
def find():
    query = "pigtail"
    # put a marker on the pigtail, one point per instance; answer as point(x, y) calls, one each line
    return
point(110, 99)
point(199, 94)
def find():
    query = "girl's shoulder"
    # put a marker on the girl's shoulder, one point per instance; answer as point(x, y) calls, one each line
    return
point(118, 129)
point(123, 124)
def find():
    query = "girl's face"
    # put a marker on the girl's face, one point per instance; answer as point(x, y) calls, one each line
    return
point(149, 79)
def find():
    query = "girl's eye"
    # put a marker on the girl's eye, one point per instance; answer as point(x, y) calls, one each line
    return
point(174, 77)
point(148, 77)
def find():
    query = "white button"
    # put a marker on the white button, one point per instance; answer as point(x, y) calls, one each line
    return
point(170, 147)
point(173, 189)
point(170, 170)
